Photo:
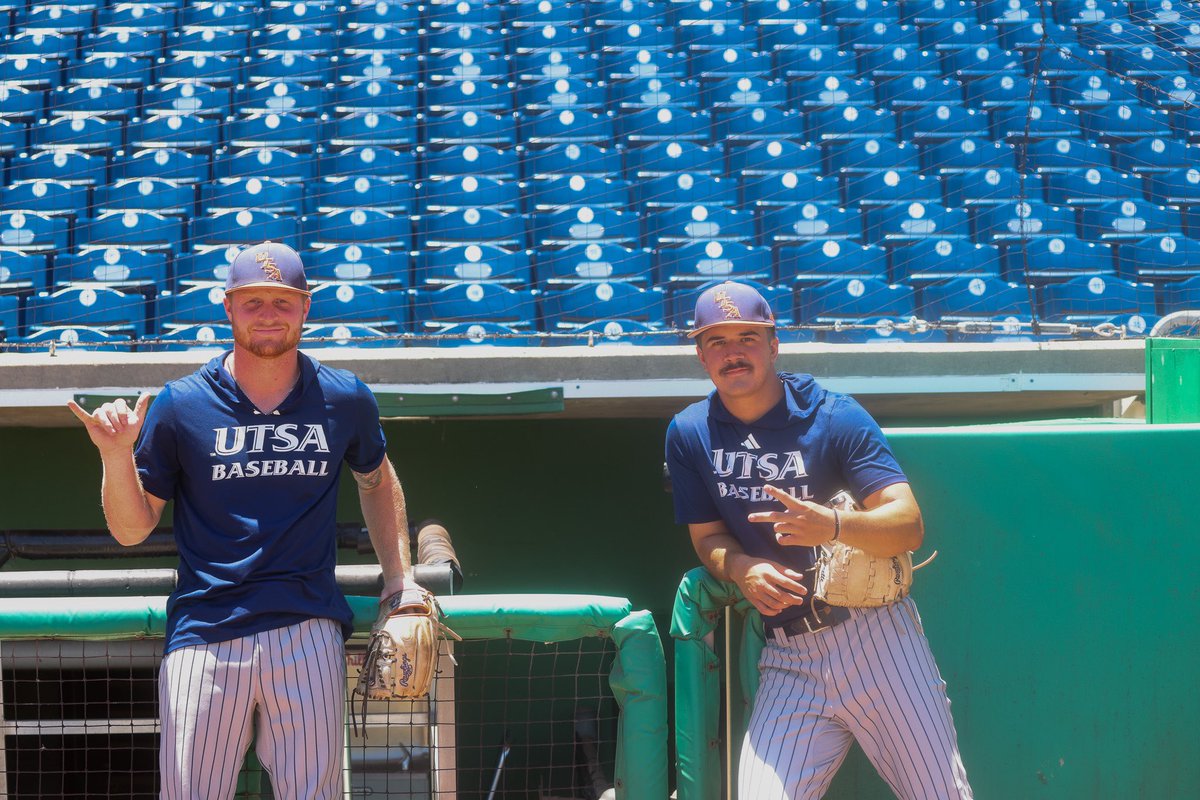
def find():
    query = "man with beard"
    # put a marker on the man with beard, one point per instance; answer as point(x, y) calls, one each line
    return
point(250, 448)
point(752, 467)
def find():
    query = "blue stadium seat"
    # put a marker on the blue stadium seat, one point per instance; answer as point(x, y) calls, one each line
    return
point(118, 267)
point(190, 337)
point(190, 99)
point(94, 100)
point(78, 132)
point(468, 95)
point(145, 230)
point(673, 158)
point(889, 187)
point(990, 186)
point(785, 189)
point(472, 226)
point(817, 60)
point(823, 261)
point(82, 338)
point(874, 155)
point(1179, 187)
point(396, 67)
point(932, 260)
point(53, 198)
point(893, 62)
point(955, 33)
point(1159, 258)
point(583, 303)
point(9, 316)
point(1022, 35)
point(201, 304)
point(686, 189)
point(241, 227)
point(535, 14)
point(1141, 60)
point(293, 40)
point(314, 16)
point(254, 194)
point(475, 302)
point(206, 265)
point(282, 97)
point(609, 332)
point(276, 163)
point(372, 129)
point(559, 94)
point(975, 299)
point(20, 104)
point(1065, 59)
point(593, 262)
point(744, 92)
point(877, 34)
point(585, 225)
point(1091, 186)
point(1096, 89)
point(684, 224)
point(576, 191)
point(1022, 220)
point(274, 130)
point(1089, 12)
point(478, 39)
point(702, 261)
point(168, 163)
point(847, 12)
point(1056, 258)
point(728, 62)
point(213, 70)
point(21, 271)
point(774, 157)
point(526, 39)
point(207, 42)
point(463, 65)
point(1065, 154)
point(829, 91)
point(470, 14)
point(471, 127)
point(849, 122)
point(1126, 220)
point(1092, 299)
point(34, 73)
point(145, 45)
point(905, 222)
point(636, 36)
point(360, 263)
point(371, 162)
point(136, 17)
point(96, 307)
point(162, 196)
point(1006, 90)
point(757, 125)
point(470, 191)
point(1180, 295)
point(809, 221)
point(334, 194)
point(361, 303)
point(915, 91)
point(642, 93)
point(704, 13)
point(387, 15)
point(980, 62)
point(564, 159)
point(547, 65)
point(14, 137)
point(219, 16)
point(967, 155)
point(1171, 91)
point(853, 300)
point(176, 130)
point(357, 226)
point(796, 34)
point(932, 124)
point(52, 19)
point(1125, 121)
point(30, 232)
point(476, 263)
point(41, 45)
point(663, 124)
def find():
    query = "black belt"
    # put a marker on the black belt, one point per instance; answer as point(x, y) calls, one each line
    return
point(816, 619)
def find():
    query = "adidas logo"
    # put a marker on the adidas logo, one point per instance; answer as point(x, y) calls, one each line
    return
point(751, 443)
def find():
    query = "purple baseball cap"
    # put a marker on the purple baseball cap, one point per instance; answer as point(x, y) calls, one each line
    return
point(731, 303)
point(269, 264)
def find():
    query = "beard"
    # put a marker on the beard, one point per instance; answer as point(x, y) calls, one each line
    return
point(267, 348)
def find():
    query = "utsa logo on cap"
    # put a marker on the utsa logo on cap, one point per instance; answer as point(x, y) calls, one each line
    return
point(729, 303)
point(270, 264)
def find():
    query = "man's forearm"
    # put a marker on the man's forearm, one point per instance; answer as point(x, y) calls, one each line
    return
point(387, 521)
point(126, 509)
point(721, 555)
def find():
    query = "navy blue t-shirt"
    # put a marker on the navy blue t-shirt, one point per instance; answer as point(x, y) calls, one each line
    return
point(255, 497)
point(812, 444)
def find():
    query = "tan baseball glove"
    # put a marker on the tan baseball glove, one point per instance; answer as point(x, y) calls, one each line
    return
point(847, 576)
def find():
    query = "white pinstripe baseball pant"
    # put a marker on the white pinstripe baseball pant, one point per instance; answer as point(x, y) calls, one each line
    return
point(289, 683)
point(871, 678)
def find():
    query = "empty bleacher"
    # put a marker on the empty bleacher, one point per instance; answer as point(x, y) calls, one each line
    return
point(504, 170)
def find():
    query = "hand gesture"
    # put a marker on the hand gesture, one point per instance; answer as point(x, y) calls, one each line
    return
point(770, 586)
point(113, 426)
point(800, 524)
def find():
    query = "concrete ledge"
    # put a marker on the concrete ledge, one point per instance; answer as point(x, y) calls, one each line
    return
point(903, 380)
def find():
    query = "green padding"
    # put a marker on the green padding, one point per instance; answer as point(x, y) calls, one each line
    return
point(82, 618)
point(699, 604)
point(639, 683)
point(529, 617)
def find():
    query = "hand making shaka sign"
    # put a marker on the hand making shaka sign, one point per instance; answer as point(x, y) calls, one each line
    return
point(114, 425)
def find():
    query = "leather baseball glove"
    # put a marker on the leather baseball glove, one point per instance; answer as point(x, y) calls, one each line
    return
point(847, 576)
point(402, 652)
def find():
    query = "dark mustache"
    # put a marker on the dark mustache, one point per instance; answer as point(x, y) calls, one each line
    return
point(735, 365)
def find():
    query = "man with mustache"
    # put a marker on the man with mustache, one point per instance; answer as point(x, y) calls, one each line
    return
point(751, 467)
point(250, 447)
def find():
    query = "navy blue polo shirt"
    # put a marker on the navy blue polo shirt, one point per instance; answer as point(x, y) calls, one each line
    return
point(255, 497)
point(812, 444)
